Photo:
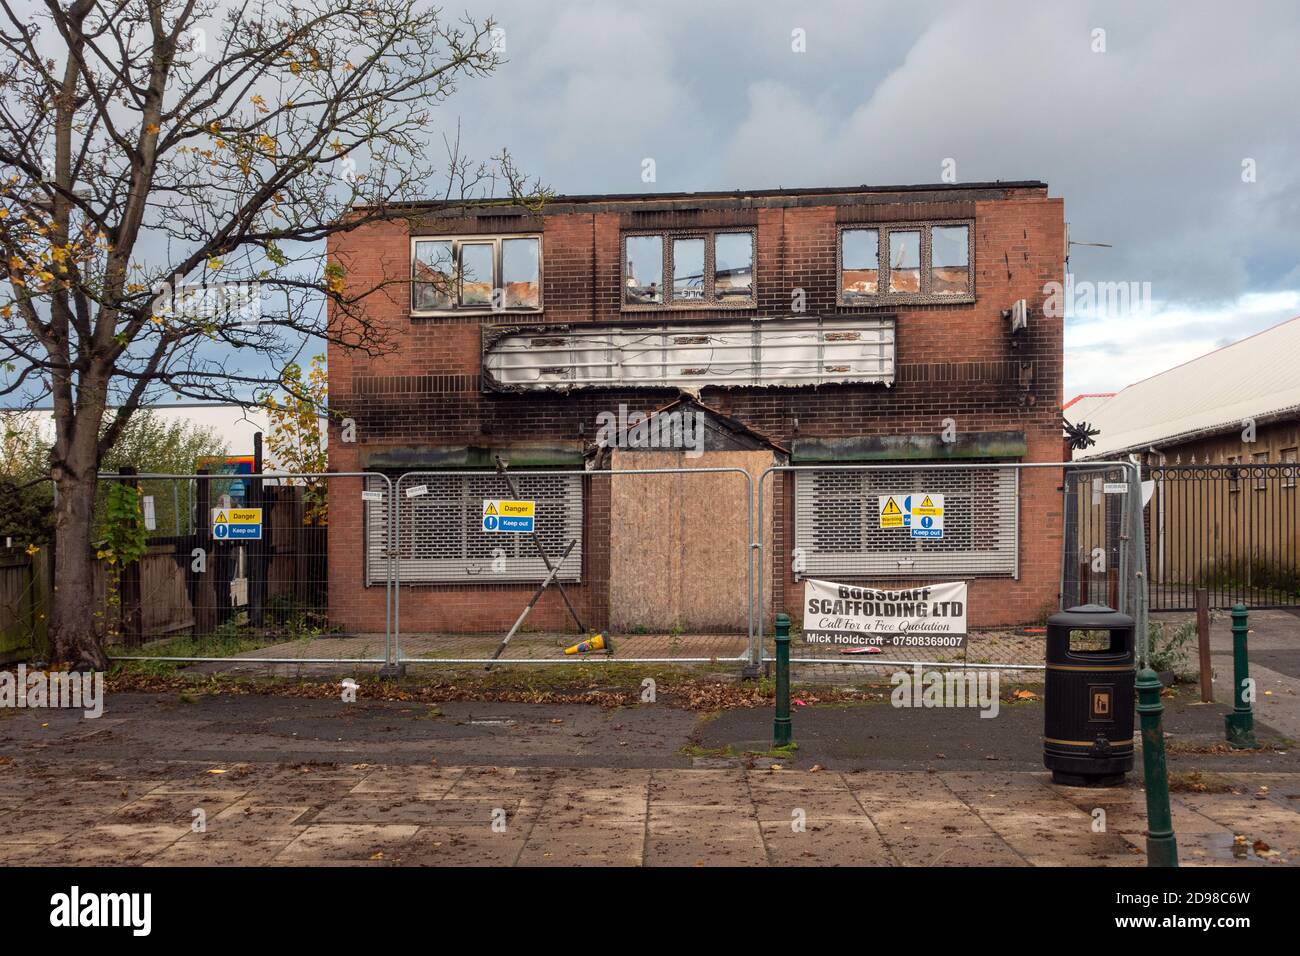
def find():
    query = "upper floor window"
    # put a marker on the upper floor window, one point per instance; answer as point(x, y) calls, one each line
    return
point(906, 262)
point(695, 269)
point(476, 274)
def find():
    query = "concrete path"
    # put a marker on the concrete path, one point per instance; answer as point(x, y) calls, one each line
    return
point(287, 780)
point(272, 814)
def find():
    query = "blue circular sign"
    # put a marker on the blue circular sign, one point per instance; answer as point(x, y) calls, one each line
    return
point(220, 531)
point(489, 522)
point(927, 521)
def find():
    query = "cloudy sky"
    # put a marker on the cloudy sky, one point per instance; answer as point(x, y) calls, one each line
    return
point(1145, 141)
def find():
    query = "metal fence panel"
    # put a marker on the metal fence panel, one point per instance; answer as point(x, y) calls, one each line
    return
point(837, 522)
point(838, 535)
point(658, 561)
point(218, 589)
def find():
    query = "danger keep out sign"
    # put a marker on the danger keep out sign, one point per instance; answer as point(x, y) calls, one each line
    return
point(237, 524)
point(509, 516)
point(922, 514)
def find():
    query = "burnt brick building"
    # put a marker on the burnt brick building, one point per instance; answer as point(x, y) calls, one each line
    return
point(795, 326)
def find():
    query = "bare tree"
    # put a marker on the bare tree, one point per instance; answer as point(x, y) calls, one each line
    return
point(169, 171)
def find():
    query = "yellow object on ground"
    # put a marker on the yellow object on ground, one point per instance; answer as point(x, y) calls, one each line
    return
point(594, 643)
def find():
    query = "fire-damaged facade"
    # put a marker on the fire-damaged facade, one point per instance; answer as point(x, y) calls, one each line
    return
point(739, 330)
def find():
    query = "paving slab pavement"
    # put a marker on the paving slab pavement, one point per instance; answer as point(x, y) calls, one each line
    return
point(280, 781)
point(653, 817)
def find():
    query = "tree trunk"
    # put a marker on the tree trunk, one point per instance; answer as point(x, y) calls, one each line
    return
point(75, 618)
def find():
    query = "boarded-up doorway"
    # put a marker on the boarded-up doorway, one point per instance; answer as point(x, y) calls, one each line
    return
point(678, 543)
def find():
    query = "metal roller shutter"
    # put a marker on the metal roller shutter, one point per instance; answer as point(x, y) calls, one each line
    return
point(441, 537)
point(837, 523)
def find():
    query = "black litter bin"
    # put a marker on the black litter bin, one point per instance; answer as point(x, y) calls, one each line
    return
point(1088, 698)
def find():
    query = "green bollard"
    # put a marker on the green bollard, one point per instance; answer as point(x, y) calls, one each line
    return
point(1162, 848)
point(781, 727)
point(1240, 724)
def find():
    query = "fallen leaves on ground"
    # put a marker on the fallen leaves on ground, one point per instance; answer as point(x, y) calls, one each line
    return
point(688, 692)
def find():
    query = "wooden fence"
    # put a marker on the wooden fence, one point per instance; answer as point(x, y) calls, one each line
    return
point(278, 581)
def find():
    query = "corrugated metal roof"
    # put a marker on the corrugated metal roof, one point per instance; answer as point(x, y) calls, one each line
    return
point(1081, 407)
point(1255, 378)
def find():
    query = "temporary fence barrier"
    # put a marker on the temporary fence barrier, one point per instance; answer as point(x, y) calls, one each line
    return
point(650, 556)
point(977, 534)
point(633, 564)
point(243, 575)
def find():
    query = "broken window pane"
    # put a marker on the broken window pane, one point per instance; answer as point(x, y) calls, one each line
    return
point(905, 261)
point(688, 270)
point(431, 270)
point(520, 276)
point(476, 273)
point(950, 260)
point(644, 282)
point(859, 263)
point(733, 267)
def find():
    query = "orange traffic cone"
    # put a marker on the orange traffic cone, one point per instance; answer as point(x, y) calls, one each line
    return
point(597, 642)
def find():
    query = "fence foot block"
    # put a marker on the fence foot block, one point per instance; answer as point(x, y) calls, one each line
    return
point(392, 671)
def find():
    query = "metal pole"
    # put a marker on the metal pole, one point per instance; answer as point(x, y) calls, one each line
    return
point(1162, 847)
point(1240, 724)
point(550, 577)
point(1203, 644)
point(541, 552)
point(781, 726)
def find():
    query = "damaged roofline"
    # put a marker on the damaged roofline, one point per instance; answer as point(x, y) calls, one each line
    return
point(725, 198)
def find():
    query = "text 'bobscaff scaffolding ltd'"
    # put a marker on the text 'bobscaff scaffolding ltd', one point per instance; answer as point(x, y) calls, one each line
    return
point(850, 616)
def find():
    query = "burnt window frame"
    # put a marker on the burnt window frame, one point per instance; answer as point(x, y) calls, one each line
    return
point(497, 240)
point(925, 295)
point(710, 300)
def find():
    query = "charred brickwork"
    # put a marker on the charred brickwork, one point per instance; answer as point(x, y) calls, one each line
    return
point(424, 402)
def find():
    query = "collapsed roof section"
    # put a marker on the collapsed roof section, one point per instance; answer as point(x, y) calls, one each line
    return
point(787, 352)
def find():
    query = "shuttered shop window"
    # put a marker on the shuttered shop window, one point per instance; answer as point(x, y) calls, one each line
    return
point(441, 537)
point(837, 523)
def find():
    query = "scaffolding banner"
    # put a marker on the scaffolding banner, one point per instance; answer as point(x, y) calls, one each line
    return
point(851, 616)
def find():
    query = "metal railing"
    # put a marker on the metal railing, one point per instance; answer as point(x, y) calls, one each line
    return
point(429, 545)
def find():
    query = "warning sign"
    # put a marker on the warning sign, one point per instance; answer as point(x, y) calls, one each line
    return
point(931, 505)
point(510, 516)
point(237, 524)
point(921, 513)
point(891, 515)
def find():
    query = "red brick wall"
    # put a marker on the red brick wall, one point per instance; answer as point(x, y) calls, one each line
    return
point(952, 361)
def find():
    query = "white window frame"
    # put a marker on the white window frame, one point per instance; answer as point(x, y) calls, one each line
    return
point(893, 552)
point(496, 240)
point(1289, 467)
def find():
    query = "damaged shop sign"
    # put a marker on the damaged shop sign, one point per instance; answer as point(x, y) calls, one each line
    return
point(789, 352)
